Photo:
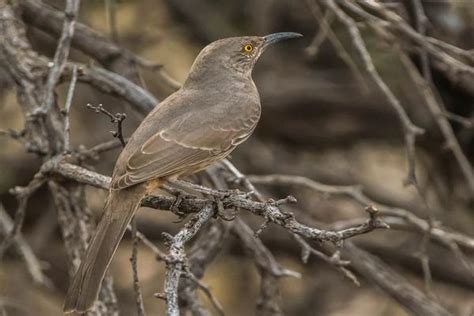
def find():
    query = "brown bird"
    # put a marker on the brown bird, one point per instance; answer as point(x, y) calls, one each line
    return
point(216, 109)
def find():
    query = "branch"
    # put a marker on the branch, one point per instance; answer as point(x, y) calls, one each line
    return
point(44, 135)
point(176, 258)
point(22, 195)
point(269, 209)
point(441, 52)
point(326, 31)
point(397, 217)
point(109, 82)
point(392, 22)
point(33, 264)
point(270, 270)
point(133, 261)
point(436, 108)
point(61, 55)
point(410, 130)
point(203, 251)
point(90, 42)
point(67, 109)
point(116, 118)
point(376, 271)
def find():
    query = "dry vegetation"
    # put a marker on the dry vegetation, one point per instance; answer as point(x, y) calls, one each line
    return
point(367, 125)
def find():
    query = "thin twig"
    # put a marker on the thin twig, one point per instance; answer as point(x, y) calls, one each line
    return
point(61, 55)
point(67, 109)
point(110, 16)
point(436, 108)
point(22, 195)
point(324, 27)
point(464, 121)
point(306, 248)
point(158, 67)
point(206, 291)
point(133, 261)
point(116, 118)
point(324, 24)
point(33, 264)
point(410, 130)
point(333, 260)
point(421, 21)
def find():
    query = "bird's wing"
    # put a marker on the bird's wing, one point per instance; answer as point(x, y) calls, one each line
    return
point(184, 145)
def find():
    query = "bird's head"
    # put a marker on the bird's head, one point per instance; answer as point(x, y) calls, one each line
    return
point(234, 55)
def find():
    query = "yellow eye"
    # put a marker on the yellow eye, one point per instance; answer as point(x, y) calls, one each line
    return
point(247, 48)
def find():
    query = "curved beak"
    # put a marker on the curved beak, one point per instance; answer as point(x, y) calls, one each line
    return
point(277, 37)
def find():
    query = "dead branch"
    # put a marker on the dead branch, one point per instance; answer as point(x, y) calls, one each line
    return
point(44, 135)
point(116, 118)
point(33, 264)
point(67, 109)
point(133, 261)
point(200, 255)
point(410, 130)
point(90, 42)
point(176, 258)
point(397, 218)
point(377, 272)
point(22, 195)
point(61, 55)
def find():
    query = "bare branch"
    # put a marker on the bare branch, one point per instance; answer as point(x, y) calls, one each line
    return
point(110, 13)
point(270, 270)
point(176, 258)
point(116, 118)
point(203, 251)
point(22, 195)
point(326, 30)
point(67, 109)
point(397, 218)
point(90, 42)
point(421, 21)
point(33, 264)
point(376, 271)
point(410, 130)
point(133, 261)
point(140, 99)
point(436, 108)
point(61, 55)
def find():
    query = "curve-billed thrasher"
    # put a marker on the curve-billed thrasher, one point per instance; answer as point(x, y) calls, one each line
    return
point(217, 108)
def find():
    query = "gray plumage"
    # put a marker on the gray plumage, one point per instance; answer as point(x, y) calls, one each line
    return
point(217, 108)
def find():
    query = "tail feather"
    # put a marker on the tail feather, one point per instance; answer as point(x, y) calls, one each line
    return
point(118, 211)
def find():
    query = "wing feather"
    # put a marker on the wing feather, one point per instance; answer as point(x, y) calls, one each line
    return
point(184, 145)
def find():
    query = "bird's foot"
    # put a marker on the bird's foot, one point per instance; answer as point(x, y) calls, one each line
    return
point(175, 207)
point(221, 211)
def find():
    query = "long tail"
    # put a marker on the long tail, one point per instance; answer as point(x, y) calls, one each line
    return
point(118, 211)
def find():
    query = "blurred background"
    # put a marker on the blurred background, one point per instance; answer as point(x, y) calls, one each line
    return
point(322, 118)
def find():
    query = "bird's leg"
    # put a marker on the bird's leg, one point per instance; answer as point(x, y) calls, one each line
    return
point(175, 206)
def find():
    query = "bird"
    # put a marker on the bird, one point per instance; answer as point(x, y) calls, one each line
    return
point(216, 109)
